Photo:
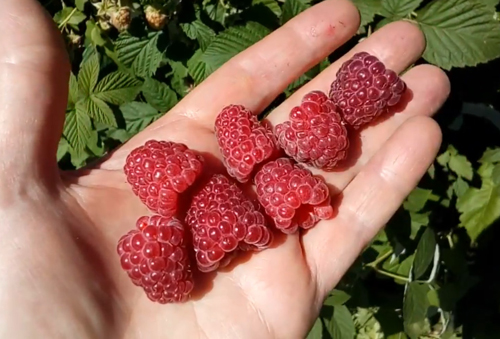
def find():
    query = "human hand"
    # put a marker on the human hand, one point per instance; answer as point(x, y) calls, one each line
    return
point(61, 274)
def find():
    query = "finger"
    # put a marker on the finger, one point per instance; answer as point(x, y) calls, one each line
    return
point(371, 199)
point(33, 90)
point(397, 45)
point(256, 76)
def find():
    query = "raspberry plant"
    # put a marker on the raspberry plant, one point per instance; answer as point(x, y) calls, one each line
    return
point(428, 273)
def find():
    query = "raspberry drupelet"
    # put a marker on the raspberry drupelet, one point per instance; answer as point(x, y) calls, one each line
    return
point(292, 196)
point(155, 258)
point(243, 141)
point(315, 134)
point(223, 221)
point(159, 171)
point(364, 89)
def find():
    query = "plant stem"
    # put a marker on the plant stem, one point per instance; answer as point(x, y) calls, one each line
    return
point(66, 19)
point(391, 275)
point(450, 240)
point(377, 261)
point(380, 259)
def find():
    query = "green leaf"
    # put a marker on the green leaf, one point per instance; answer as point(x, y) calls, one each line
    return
point(140, 53)
point(400, 335)
point(88, 74)
point(461, 166)
point(292, 8)
point(80, 4)
point(158, 95)
point(367, 9)
point(316, 331)
point(341, 326)
point(495, 176)
point(179, 74)
point(198, 69)
point(398, 8)
point(94, 145)
point(405, 267)
point(459, 33)
point(93, 33)
point(337, 297)
point(117, 88)
point(479, 208)
point(444, 158)
point(417, 199)
point(138, 115)
point(490, 3)
point(62, 149)
point(98, 110)
point(271, 4)
point(433, 297)
point(199, 31)
point(491, 156)
point(73, 94)
point(415, 306)
point(460, 186)
point(78, 157)
point(216, 12)
point(486, 170)
point(77, 128)
point(424, 253)
point(118, 134)
point(227, 44)
point(69, 16)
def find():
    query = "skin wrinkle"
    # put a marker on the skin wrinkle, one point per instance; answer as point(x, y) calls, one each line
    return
point(201, 331)
point(37, 272)
point(251, 304)
point(21, 58)
point(250, 67)
point(388, 173)
point(336, 264)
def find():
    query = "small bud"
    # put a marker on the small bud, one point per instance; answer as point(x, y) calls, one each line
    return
point(155, 18)
point(104, 24)
point(121, 19)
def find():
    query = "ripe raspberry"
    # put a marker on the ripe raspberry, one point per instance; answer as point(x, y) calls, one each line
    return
point(292, 196)
point(223, 221)
point(243, 141)
point(315, 134)
point(364, 89)
point(159, 170)
point(155, 258)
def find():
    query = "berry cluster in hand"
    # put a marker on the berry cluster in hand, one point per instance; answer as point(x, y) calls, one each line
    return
point(221, 220)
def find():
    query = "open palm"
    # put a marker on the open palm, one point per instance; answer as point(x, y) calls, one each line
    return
point(61, 276)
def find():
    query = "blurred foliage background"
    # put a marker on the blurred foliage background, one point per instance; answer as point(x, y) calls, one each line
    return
point(431, 273)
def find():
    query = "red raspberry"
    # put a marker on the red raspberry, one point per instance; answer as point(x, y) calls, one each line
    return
point(315, 134)
point(292, 196)
point(159, 170)
point(155, 258)
point(223, 221)
point(243, 141)
point(364, 89)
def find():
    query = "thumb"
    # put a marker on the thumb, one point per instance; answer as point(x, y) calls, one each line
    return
point(34, 71)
